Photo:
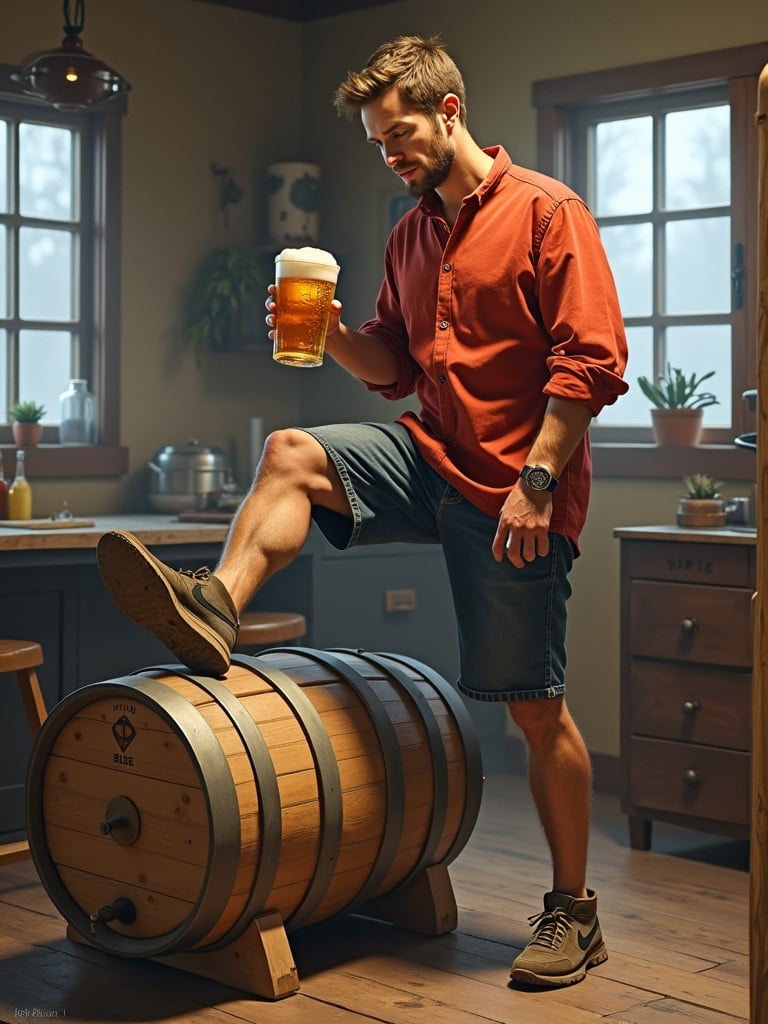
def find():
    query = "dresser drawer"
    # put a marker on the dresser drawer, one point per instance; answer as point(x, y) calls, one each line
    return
point(680, 621)
point(688, 779)
point(711, 564)
point(691, 703)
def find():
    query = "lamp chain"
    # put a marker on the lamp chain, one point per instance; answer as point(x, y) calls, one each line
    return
point(72, 28)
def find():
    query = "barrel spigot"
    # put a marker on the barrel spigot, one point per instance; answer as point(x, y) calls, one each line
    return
point(122, 910)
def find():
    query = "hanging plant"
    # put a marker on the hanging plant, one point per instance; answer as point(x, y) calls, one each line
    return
point(228, 284)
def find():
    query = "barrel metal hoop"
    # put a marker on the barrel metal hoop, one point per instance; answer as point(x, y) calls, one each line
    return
point(437, 750)
point(393, 766)
point(270, 815)
point(472, 752)
point(216, 779)
point(329, 783)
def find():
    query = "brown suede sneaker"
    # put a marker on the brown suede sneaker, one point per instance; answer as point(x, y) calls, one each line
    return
point(190, 612)
point(566, 941)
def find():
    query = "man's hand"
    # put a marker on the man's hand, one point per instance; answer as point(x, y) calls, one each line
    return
point(271, 317)
point(523, 531)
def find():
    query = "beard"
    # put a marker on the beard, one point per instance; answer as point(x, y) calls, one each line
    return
point(437, 166)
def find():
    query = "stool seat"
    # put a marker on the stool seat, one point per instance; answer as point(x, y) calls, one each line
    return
point(260, 628)
point(23, 657)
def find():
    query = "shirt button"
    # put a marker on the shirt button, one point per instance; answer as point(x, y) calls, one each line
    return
point(446, 267)
point(443, 325)
point(447, 438)
point(441, 379)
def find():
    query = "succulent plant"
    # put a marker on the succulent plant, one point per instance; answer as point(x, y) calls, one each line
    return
point(27, 412)
point(699, 485)
point(676, 391)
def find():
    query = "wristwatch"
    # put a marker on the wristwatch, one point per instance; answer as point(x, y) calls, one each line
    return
point(539, 478)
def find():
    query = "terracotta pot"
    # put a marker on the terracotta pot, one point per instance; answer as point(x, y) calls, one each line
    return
point(677, 426)
point(27, 435)
point(701, 512)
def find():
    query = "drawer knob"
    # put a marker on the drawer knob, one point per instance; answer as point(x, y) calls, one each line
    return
point(689, 625)
point(691, 778)
point(690, 707)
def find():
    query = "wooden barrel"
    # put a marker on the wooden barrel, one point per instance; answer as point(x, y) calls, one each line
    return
point(307, 782)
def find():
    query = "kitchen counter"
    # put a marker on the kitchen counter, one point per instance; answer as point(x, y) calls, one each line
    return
point(687, 534)
point(152, 530)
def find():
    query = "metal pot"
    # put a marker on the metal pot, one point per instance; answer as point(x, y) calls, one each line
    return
point(188, 476)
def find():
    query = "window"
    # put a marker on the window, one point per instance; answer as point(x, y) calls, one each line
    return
point(59, 270)
point(665, 155)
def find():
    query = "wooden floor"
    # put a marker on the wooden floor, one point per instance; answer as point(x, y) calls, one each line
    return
point(674, 920)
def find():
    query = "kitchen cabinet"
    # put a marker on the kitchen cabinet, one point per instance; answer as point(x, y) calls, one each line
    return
point(686, 671)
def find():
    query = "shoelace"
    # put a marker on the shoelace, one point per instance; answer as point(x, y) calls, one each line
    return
point(196, 574)
point(550, 928)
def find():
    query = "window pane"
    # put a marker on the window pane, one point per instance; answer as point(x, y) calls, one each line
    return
point(698, 268)
point(45, 274)
point(631, 410)
point(697, 159)
point(623, 167)
point(3, 376)
point(699, 350)
point(4, 205)
point(629, 248)
point(4, 311)
point(44, 369)
point(46, 186)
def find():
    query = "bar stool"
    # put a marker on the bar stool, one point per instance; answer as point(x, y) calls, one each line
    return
point(23, 657)
point(261, 629)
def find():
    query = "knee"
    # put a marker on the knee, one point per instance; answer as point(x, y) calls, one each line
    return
point(290, 452)
point(538, 719)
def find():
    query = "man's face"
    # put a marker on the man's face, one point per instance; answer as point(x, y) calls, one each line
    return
point(415, 145)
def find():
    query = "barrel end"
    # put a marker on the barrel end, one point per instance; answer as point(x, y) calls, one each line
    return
point(426, 904)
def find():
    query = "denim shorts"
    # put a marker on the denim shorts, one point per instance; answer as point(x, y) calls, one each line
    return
point(511, 622)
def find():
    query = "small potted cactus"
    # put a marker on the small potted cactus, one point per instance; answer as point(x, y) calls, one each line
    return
point(26, 427)
point(701, 504)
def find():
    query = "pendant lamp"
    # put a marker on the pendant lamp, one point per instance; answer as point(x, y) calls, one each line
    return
point(70, 77)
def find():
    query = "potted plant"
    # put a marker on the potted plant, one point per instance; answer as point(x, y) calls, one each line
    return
point(26, 427)
point(678, 405)
point(229, 284)
point(701, 504)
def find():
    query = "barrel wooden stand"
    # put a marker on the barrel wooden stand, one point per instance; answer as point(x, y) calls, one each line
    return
point(199, 822)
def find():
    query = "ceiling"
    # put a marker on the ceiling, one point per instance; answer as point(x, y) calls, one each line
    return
point(299, 10)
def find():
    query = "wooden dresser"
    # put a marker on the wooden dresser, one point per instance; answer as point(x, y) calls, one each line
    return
point(686, 670)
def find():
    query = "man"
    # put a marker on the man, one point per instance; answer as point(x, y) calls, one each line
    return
point(499, 312)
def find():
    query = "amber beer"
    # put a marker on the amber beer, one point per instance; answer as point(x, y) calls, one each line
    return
point(306, 283)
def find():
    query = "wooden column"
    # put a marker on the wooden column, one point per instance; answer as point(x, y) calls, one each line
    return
point(758, 906)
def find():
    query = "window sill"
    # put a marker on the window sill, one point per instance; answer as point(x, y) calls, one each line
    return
point(642, 461)
point(53, 460)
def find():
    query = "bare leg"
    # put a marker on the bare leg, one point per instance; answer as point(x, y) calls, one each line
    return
point(273, 521)
point(560, 777)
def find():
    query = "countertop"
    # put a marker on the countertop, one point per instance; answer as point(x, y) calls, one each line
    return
point(152, 530)
point(713, 535)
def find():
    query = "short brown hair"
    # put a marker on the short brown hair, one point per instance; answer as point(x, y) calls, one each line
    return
point(419, 67)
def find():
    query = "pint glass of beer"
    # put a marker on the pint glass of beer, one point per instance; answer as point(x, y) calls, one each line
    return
point(306, 283)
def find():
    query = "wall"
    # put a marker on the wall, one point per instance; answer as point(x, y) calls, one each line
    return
point(205, 87)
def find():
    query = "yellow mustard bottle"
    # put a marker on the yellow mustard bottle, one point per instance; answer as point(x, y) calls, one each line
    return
point(20, 492)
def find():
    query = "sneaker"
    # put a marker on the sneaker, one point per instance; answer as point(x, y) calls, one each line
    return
point(190, 612)
point(566, 941)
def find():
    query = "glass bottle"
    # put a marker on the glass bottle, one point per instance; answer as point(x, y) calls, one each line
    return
point(20, 492)
point(78, 414)
point(3, 492)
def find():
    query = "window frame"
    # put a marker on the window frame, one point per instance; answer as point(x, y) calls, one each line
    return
point(558, 102)
point(99, 289)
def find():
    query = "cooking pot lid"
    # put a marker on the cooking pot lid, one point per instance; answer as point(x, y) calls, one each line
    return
point(191, 455)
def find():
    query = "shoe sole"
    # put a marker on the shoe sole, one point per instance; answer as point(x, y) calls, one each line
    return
point(142, 593)
point(527, 977)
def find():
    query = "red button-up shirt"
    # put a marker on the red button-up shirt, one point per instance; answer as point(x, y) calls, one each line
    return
point(486, 319)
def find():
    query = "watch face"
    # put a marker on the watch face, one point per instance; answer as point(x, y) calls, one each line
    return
point(538, 478)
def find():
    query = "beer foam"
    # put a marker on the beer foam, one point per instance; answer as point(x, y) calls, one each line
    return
point(307, 262)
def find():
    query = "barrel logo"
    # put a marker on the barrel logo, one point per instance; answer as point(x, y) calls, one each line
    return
point(124, 732)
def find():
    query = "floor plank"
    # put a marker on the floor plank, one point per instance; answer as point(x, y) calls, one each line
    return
point(674, 919)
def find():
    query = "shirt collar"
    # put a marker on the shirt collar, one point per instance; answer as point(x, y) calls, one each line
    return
point(431, 205)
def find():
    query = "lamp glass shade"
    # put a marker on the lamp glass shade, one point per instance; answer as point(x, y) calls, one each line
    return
point(70, 77)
